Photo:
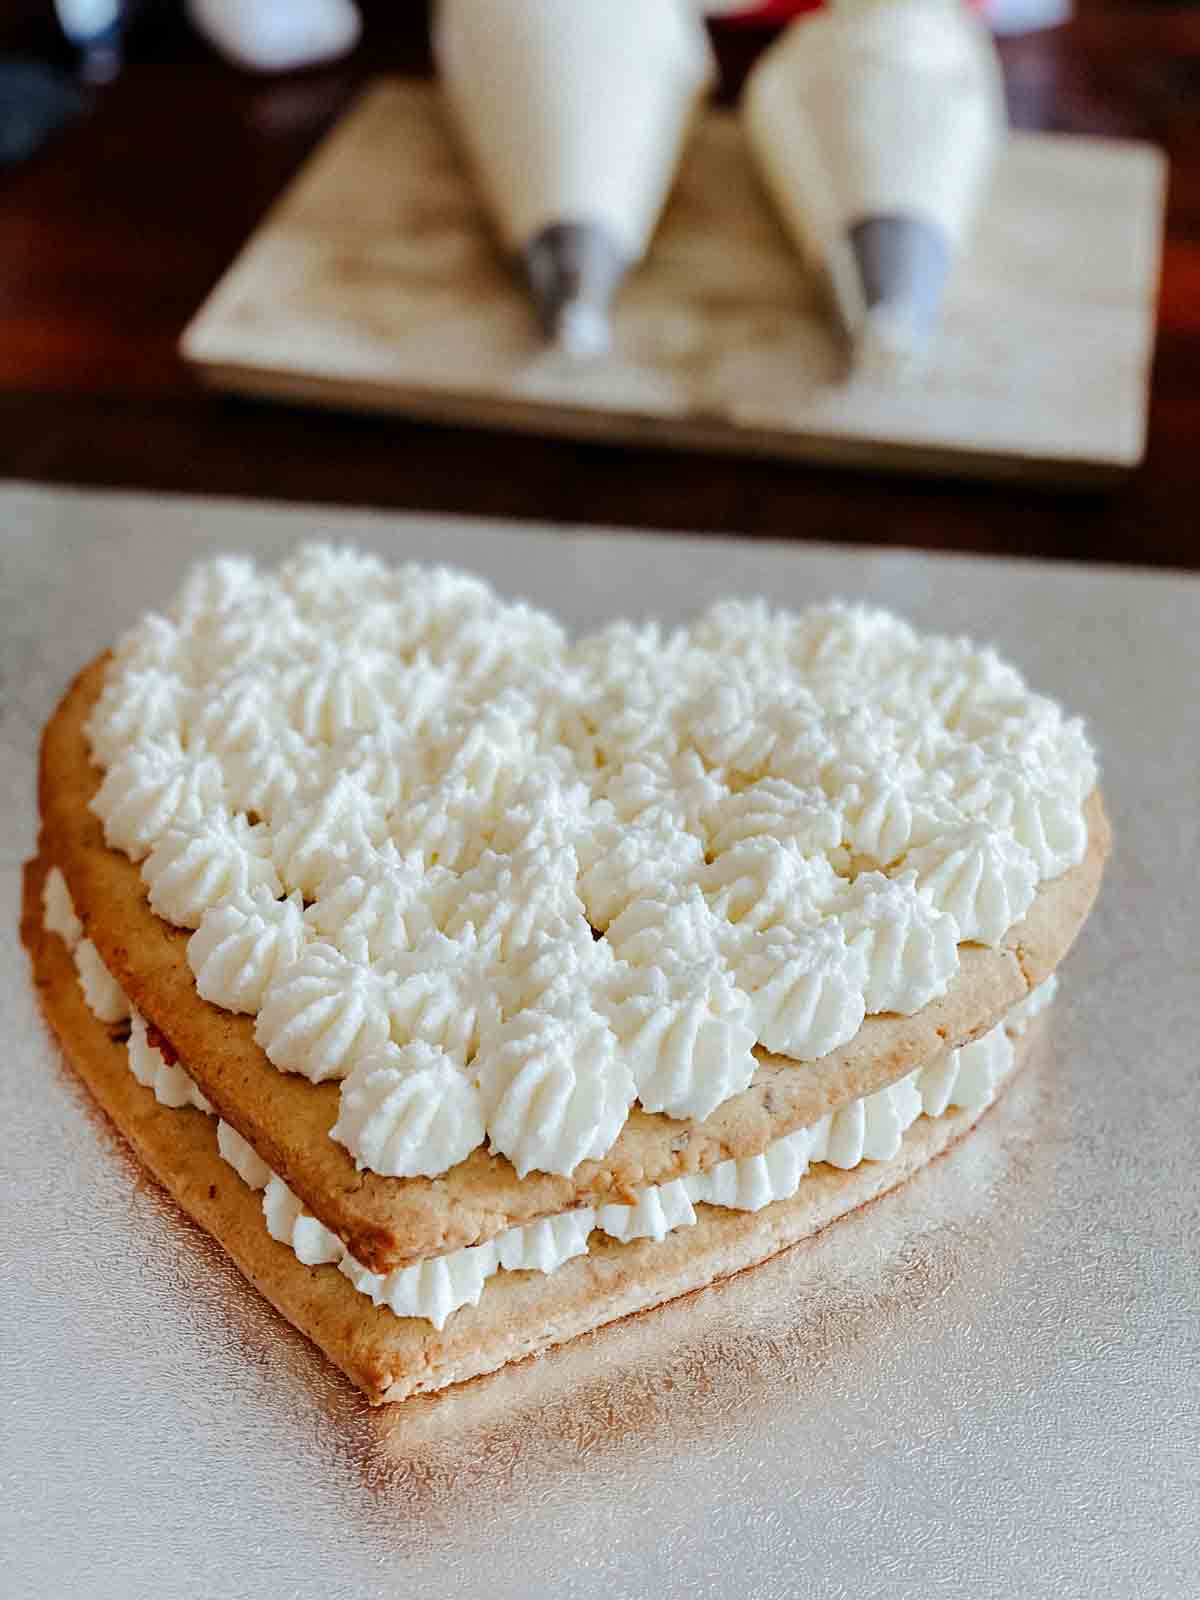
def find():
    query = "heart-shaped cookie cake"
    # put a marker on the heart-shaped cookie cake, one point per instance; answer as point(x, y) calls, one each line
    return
point(475, 987)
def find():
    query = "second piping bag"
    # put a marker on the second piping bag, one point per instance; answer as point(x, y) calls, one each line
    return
point(875, 125)
point(574, 114)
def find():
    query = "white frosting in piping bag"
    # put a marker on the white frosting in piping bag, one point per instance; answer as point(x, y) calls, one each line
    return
point(573, 110)
point(875, 127)
point(573, 114)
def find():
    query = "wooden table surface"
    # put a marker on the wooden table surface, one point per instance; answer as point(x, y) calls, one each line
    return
point(113, 235)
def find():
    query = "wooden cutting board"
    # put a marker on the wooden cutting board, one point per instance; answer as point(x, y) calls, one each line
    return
point(374, 284)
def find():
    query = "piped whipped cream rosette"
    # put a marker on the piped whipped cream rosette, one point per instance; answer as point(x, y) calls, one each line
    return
point(382, 814)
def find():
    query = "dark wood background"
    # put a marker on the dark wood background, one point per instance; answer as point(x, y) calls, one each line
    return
point(112, 236)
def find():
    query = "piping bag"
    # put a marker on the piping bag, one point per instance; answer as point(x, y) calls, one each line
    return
point(875, 126)
point(573, 114)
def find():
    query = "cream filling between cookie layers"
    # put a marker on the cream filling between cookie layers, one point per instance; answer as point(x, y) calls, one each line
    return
point(868, 1129)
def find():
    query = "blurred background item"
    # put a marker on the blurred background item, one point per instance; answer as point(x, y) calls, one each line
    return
point(121, 225)
point(573, 114)
point(1005, 17)
point(875, 125)
point(277, 35)
point(758, 13)
point(35, 101)
point(95, 29)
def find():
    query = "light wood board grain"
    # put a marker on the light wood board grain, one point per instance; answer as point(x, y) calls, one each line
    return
point(375, 284)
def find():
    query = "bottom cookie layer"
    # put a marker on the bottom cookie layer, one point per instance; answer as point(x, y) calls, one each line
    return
point(519, 1314)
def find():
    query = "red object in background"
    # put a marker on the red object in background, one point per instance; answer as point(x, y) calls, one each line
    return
point(774, 13)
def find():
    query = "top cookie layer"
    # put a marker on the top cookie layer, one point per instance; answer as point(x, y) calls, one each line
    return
point(399, 811)
point(874, 800)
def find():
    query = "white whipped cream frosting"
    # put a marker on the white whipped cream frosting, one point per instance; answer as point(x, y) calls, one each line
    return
point(399, 811)
point(242, 1157)
point(58, 910)
point(323, 1014)
point(209, 864)
point(1035, 1002)
point(869, 1129)
point(171, 1084)
point(409, 1112)
point(242, 945)
point(104, 995)
point(554, 1087)
point(688, 1034)
point(154, 786)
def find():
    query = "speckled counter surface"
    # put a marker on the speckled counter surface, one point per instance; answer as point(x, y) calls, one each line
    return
point(988, 1385)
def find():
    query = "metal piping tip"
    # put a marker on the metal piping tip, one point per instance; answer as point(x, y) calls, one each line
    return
point(574, 271)
point(903, 264)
